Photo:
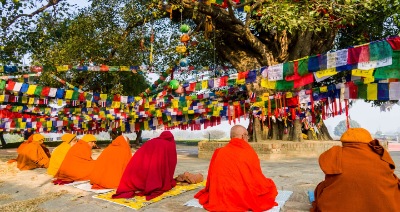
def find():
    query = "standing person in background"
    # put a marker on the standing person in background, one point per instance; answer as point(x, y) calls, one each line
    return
point(235, 181)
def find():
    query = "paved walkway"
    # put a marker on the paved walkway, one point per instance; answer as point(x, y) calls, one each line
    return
point(33, 190)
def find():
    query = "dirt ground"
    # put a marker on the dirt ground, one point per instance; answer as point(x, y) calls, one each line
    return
point(33, 191)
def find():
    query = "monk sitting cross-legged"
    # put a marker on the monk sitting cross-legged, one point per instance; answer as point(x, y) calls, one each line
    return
point(33, 154)
point(235, 181)
point(111, 163)
point(78, 163)
point(359, 176)
point(60, 152)
point(20, 147)
point(150, 172)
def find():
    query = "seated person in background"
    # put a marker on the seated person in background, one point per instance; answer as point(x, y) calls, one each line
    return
point(150, 172)
point(111, 163)
point(78, 163)
point(59, 153)
point(33, 154)
point(359, 176)
point(235, 181)
point(20, 147)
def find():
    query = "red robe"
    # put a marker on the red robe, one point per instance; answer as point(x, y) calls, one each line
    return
point(150, 172)
point(358, 177)
point(77, 164)
point(235, 181)
point(110, 165)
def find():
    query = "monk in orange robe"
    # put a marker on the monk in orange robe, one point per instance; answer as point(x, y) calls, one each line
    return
point(111, 163)
point(359, 176)
point(32, 155)
point(78, 163)
point(235, 181)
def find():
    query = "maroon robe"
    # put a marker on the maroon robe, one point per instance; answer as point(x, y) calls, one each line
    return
point(150, 172)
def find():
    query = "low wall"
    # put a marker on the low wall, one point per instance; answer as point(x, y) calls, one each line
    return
point(276, 149)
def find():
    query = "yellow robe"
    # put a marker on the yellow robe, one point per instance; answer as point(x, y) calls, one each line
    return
point(57, 158)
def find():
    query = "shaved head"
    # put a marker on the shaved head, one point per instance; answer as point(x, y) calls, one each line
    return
point(238, 131)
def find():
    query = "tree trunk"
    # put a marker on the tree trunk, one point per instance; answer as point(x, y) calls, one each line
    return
point(265, 131)
point(257, 131)
point(275, 131)
point(138, 139)
point(297, 133)
point(3, 142)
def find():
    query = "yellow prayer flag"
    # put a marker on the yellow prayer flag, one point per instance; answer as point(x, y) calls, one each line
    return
point(62, 68)
point(22, 125)
point(265, 96)
point(158, 113)
point(31, 89)
point(146, 105)
point(24, 99)
point(88, 103)
point(326, 72)
point(175, 103)
point(152, 107)
point(2, 98)
point(362, 73)
point(31, 101)
point(124, 68)
point(103, 97)
point(368, 80)
point(268, 84)
point(247, 8)
point(145, 125)
point(49, 124)
point(68, 94)
point(372, 91)
point(204, 84)
point(289, 94)
point(240, 81)
point(323, 89)
point(122, 124)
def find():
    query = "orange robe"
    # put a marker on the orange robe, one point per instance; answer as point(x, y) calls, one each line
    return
point(77, 164)
point(110, 165)
point(235, 181)
point(358, 177)
point(20, 147)
point(32, 156)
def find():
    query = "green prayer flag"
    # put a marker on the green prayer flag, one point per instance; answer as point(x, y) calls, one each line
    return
point(288, 69)
point(303, 67)
point(392, 71)
point(379, 50)
point(284, 85)
point(38, 90)
point(362, 91)
point(2, 84)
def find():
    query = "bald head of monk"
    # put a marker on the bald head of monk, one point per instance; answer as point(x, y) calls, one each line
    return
point(238, 131)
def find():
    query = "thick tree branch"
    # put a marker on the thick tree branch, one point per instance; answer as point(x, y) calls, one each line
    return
point(128, 30)
point(43, 8)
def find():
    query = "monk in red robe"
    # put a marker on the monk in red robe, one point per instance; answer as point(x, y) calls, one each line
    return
point(111, 163)
point(359, 176)
point(235, 181)
point(78, 163)
point(32, 155)
point(150, 172)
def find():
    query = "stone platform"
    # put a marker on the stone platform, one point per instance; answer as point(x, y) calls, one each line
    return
point(275, 149)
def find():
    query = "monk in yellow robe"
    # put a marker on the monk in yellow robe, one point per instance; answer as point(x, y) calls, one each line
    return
point(33, 155)
point(78, 163)
point(111, 164)
point(235, 181)
point(359, 176)
point(59, 153)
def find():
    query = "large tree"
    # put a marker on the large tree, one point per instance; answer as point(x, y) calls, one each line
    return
point(268, 33)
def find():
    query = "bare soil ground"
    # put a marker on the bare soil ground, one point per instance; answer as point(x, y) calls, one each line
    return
point(33, 191)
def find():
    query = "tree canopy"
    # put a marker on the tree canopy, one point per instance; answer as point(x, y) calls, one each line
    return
point(341, 127)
